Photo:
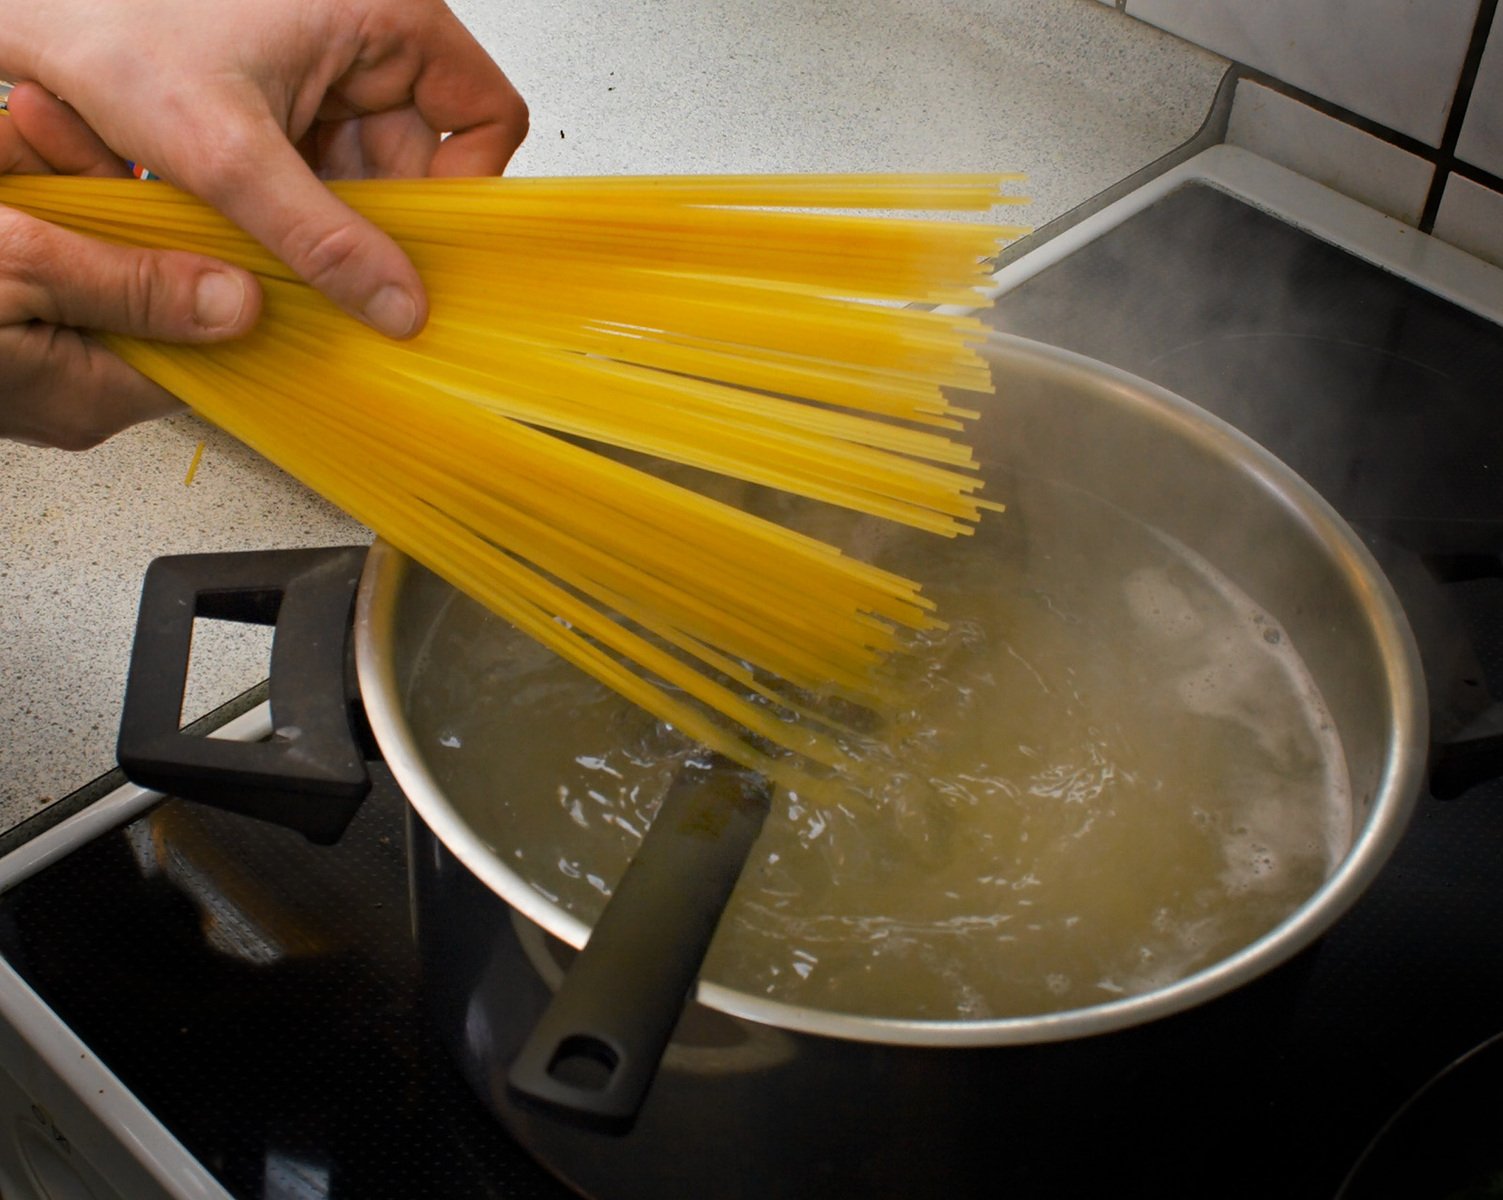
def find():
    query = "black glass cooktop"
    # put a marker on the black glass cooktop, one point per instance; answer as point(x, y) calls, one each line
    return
point(260, 994)
point(1385, 397)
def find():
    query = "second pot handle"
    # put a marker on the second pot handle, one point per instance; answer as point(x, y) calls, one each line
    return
point(1459, 765)
point(593, 1054)
point(311, 775)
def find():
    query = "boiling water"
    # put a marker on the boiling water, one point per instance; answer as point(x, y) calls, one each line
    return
point(1115, 771)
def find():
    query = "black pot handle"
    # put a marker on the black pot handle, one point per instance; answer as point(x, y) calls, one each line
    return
point(1458, 766)
point(595, 1051)
point(311, 775)
point(1473, 755)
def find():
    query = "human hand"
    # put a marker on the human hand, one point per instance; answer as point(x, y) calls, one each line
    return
point(58, 385)
point(245, 105)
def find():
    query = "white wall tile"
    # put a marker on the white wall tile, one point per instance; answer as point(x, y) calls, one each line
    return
point(1481, 142)
point(1393, 61)
point(1294, 135)
point(1471, 218)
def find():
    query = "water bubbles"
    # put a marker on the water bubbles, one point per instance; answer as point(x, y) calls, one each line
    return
point(1160, 606)
point(597, 762)
point(1090, 796)
point(813, 828)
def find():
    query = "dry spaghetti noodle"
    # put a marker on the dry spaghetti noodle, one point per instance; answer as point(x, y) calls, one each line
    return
point(724, 323)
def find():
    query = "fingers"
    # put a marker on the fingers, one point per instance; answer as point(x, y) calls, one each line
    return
point(423, 56)
point(61, 278)
point(484, 148)
point(59, 137)
point(58, 386)
point(461, 90)
point(395, 144)
point(267, 189)
point(255, 82)
point(62, 389)
point(17, 156)
point(422, 74)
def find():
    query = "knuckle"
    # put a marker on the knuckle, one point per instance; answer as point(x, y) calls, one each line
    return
point(321, 253)
point(225, 162)
point(520, 115)
point(23, 246)
point(225, 159)
point(55, 277)
point(141, 295)
point(33, 262)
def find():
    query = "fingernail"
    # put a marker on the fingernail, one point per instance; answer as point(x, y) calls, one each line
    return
point(393, 311)
point(218, 300)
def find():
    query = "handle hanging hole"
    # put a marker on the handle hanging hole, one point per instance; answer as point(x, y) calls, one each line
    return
point(584, 1062)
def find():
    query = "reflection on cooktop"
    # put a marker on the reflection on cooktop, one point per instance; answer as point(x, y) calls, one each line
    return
point(1383, 396)
point(262, 996)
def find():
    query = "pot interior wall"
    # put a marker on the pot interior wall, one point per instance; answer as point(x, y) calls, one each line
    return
point(1196, 480)
point(1174, 469)
point(1057, 417)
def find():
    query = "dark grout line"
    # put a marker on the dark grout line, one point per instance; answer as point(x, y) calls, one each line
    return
point(1445, 159)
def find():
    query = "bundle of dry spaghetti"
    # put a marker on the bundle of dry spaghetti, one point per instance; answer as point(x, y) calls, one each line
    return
point(720, 322)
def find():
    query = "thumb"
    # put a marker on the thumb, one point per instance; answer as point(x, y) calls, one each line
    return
point(59, 277)
point(270, 192)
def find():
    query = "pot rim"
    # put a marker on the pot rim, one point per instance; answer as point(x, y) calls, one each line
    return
point(1399, 784)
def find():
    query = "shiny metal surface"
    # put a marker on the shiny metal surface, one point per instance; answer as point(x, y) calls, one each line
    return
point(1155, 455)
point(749, 1069)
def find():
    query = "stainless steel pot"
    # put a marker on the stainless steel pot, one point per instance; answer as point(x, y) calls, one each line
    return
point(761, 1098)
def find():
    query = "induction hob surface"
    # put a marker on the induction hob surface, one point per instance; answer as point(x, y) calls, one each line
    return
point(260, 995)
point(1383, 395)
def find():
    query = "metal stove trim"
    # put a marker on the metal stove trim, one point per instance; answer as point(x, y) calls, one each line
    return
point(1424, 260)
point(101, 1116)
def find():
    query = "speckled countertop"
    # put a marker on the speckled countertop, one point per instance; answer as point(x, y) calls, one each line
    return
point(1071, 91)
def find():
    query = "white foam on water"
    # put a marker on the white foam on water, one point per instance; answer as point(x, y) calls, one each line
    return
point(1119, 771)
